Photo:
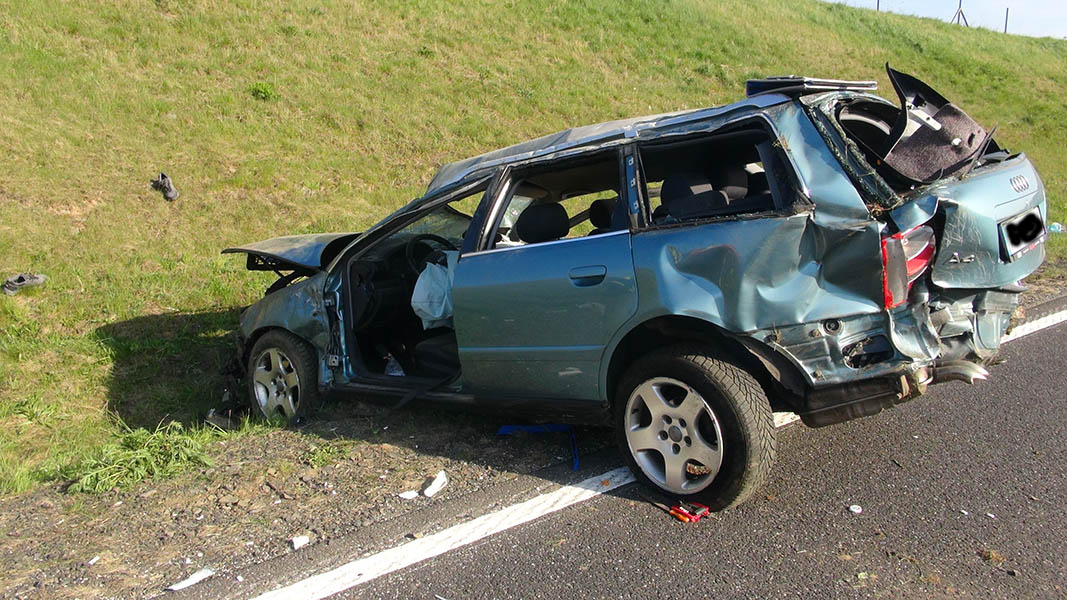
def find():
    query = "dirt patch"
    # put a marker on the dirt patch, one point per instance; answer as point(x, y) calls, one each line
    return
point(336, 474)
point(1047, 283)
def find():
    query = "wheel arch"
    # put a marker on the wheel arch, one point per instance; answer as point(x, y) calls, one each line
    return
point(780, 378)
point(324, 374)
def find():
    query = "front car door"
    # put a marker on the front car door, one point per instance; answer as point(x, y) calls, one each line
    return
point(538, 301)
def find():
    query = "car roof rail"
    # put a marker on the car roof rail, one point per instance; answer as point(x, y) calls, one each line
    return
point(795, 86)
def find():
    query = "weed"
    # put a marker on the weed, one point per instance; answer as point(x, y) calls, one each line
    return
point(138, 455)
point(321, 455)
point(263, 91)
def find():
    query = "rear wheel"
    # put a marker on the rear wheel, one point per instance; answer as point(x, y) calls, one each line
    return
point(282, 376)
point(695, 427)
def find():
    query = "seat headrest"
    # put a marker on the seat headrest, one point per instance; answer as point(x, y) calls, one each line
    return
point(729, 179)
point(691, 196)
point(683, 185)
point(542, 223)
point(758, 184)
point(600, 212)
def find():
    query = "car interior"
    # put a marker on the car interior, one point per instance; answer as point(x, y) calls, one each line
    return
point(554, 203)
point(385, 332)
point(722, 175)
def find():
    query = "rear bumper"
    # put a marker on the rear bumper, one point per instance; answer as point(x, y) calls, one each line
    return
point(857, 366)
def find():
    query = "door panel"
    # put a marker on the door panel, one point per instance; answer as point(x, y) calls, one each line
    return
point(534, 320)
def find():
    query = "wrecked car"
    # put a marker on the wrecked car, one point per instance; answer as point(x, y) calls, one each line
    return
point(812, 248)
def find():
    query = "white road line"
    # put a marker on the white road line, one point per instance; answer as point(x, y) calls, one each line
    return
point(366, 569)
point(1036, 325)
point(385, 562)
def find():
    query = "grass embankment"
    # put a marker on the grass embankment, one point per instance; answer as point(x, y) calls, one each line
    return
point(312, 116)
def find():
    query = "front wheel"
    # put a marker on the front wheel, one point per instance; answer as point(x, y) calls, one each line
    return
point(695, 427)
point(282, 376)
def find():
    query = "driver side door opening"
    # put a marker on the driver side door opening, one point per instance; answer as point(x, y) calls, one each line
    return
point(387, 340)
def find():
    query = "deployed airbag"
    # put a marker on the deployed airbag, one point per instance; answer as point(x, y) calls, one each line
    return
point(432, 298)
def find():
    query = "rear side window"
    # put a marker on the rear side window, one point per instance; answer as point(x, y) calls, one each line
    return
point(735, 171)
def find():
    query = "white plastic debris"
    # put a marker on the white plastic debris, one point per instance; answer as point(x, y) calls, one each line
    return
point(193, 579)
point(965, 513)
point(92, 561)
point(438, 484)
point(299, 542)
point(409, 495)
point(991, 515)
point(855, 509)
point(240, 579)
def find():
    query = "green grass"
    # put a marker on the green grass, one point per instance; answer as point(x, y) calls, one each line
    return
point(302, 116)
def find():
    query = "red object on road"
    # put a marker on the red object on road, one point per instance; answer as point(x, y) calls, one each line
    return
point(689, 512)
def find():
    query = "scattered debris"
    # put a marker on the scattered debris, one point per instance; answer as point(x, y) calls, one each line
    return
point(224, 421)
point(299, 542)
point(193, 579)
point(434, 485)
point(409, 495)
point(855, 509)
point(991, 515)
point(15, 283)
point(1013, 572)
point(92, 561)
point(1055, 228)
point(392, 367)
point(991, 556)
point(965, 513)
point(240, 579)
point(165, 185)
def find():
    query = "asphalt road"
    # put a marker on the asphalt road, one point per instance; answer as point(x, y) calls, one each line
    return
point(963, 494)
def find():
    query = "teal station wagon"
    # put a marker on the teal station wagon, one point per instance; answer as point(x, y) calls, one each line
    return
point(812, 248)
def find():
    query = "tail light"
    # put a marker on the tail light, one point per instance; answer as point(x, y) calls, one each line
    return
point(905, 256)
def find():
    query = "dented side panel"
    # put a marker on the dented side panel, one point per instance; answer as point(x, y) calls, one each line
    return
point(297, 308)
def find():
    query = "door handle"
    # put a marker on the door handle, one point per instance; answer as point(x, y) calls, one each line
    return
point(589, 275)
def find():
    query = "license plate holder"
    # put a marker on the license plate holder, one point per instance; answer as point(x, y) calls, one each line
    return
point(1021, 233)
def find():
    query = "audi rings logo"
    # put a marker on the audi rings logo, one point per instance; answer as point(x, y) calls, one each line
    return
point(1019, 183)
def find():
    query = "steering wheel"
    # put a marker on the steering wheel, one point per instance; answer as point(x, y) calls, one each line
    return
point(417, 264)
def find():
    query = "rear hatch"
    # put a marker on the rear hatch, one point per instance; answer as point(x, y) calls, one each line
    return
point(993, 233)
point(939, 167)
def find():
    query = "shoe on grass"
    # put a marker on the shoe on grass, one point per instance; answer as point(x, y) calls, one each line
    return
point(17, 282)
point(165, 185)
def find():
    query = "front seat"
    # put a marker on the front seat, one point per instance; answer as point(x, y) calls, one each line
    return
point(600, 212)
point(542, 223)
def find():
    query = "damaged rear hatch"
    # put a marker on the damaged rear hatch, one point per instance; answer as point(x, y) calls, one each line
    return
point(927, 166)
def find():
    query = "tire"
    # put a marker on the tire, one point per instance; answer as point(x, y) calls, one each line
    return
point(695, 427)
point(282, 376)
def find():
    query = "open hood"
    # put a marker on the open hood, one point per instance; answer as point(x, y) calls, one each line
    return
point(303, 253)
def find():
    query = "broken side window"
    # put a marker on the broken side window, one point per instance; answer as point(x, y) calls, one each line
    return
point(738, 171)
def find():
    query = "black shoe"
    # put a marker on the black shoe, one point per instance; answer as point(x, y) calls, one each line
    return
point(164, 184)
